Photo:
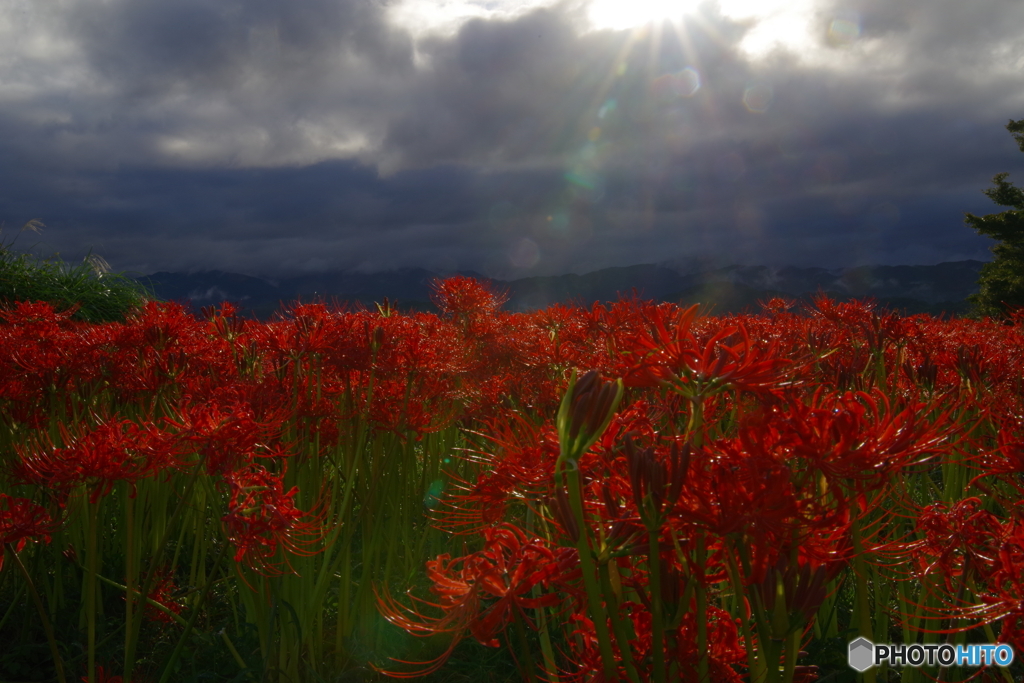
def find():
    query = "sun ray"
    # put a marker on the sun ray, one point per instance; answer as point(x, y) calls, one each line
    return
point(625, 14)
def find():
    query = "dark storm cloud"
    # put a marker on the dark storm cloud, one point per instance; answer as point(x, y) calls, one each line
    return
point(195, 83)
point(152, 45)
point(265, 136)
point(338, 215)
point(533, 88)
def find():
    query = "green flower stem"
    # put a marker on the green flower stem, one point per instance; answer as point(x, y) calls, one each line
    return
point(618, 624)
point(883, 590)
point(702, 635)
point(234, 652)
point(544, 633)
point(147, 585)
point(792, 644)
point(548, 652)
point(149, 601)
point(90, 587)
point(169, 667)
point(862, 607)
point(695, 425)
point(343, 623)
point(526, 666)
point(130, 571)
point(758, 671)
point(828, 627)
point(770, 649)
point(961, 594)
point(906, 602)
point(657, 609)
point(47, 626)
point(589, 571)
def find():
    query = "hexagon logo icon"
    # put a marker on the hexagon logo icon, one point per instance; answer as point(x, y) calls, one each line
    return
point(862, 654)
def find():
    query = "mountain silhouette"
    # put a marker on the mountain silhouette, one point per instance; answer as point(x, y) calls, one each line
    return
point(936, 289)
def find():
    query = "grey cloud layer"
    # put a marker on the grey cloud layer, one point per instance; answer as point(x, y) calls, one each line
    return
point(266, 137)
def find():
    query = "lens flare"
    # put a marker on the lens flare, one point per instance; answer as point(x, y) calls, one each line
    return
point(684, 83)
point(844, 31)
point(525, 254)
point(757, 98)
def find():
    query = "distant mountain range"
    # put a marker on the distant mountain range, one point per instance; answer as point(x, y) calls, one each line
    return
point(938, 289)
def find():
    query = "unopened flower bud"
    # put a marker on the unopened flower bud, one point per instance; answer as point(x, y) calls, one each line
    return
point(586, 410)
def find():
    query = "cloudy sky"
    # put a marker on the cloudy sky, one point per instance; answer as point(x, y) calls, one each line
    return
point(511, 137)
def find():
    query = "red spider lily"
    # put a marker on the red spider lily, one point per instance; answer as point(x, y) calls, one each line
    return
point(416, 404)
point(102, 677)
point(262, 516)
point(164, 593)
point(565, 337)
point(21, 521)
point(725, 651)
point(857, 315)
point(28, 313)
point(311, 333)
point(742, 495)
point(672, 355)
point(224, 322)
point(117, 450)
point(1000, 595)
point(1005, 461)
point(162, 348)
point(950, 535)
point(971, 364)
point(923, 373)
point(517, 465)
point(226, 429)
point(966, 544)
point(45, 357)
point(465, 298)
point(1012, 631)
point(481, 592)
point(849, 437)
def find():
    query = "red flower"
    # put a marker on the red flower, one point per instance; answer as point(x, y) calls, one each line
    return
point(112, 451)
point(848, 437)
point(226, 429)
point(101, 677)
point(20, 521)
point(481, 592)
point(518, 465)
point(262, 516)
point(465, 298)
point(673, 355)
point(163, 592)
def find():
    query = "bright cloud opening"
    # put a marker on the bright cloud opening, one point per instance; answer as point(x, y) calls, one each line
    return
point(624, 14)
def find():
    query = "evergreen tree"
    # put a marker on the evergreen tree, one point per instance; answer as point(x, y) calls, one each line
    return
point(1002, 280)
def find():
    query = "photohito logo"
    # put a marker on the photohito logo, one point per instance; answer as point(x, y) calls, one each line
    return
point(864, 654)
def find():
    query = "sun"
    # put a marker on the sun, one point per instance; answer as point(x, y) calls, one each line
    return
point(770, 23)
point(623, 14)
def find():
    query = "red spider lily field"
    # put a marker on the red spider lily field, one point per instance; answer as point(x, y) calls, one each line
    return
point(628, 492)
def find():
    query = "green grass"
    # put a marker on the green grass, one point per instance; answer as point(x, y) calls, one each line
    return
point(89, 289)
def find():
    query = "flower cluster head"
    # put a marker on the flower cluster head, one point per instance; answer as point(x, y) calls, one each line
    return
point(483, 592)
point(21, 520)
point(165, 593)
point(112, 451)
point(262, 516)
